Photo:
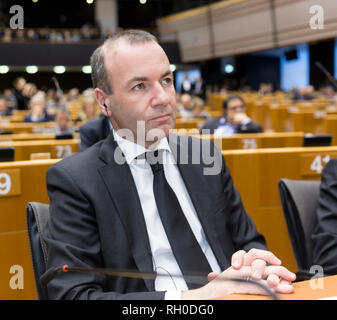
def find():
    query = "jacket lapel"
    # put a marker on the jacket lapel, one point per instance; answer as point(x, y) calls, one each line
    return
point(195, 183)
point(120, 184)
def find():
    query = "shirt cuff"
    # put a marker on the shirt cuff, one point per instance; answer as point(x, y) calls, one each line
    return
point(173, 295)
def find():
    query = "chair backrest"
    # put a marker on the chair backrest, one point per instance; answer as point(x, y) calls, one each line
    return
point(37, 217)
point(299, 200)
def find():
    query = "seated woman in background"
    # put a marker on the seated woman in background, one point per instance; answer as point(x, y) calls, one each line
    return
point(38, 109)
point(90, 110)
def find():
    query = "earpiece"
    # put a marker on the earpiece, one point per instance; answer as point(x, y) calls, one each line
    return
point(106, 108)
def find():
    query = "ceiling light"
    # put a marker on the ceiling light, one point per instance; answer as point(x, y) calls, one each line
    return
point(229, 68)
point(59, 69)
point(86, 69)
point(32, 69)
point(4, 69)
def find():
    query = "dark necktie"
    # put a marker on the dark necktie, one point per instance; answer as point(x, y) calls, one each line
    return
point(184, 245)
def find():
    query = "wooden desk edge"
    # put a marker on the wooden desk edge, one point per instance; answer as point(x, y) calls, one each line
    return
point(313, 289)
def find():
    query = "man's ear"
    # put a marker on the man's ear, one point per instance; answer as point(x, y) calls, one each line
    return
point(101, 98)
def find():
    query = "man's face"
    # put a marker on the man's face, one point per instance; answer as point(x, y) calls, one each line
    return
point(62, 121)
point(142, 86)
point(234, 107)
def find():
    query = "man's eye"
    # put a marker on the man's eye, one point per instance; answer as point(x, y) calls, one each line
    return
point(167, 81)
point(139, 86)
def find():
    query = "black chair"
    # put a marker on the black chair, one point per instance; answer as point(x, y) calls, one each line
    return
point(299, 200)
point(37, 217)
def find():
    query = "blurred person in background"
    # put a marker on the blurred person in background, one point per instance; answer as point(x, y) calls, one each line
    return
point(19, 84)
point(186, 86)
point(4, 110)
point(90, 110)
point(63, 124)
point(234, 120)
point(185, 106)
point(199, 88)
point(304, 93)
point(38, 109)
point(28, 91)
point(9, 96)
point(73, 94)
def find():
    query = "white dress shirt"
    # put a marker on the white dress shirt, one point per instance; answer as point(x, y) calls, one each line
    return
point(169, 276)
point(226, 129)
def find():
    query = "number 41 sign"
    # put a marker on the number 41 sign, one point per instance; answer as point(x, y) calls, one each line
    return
point(313, 164)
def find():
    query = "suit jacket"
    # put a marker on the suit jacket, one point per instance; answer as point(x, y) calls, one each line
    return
point(94, 131)
point(324, 237)
point(250, 127)
point(96, 220)
point(44, 118)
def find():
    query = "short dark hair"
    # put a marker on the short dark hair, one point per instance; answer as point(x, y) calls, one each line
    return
point(230, 98)
point(99, 75)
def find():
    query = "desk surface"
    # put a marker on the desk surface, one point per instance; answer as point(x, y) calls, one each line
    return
point(305, 290)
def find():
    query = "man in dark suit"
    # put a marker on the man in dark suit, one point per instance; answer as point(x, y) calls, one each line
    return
point(108, 204)
point(324, 237)
point(94, 131)
point(233, 121)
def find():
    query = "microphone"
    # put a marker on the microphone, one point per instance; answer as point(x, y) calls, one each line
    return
point(51, 273)
point(327, 73)
point(59, 91)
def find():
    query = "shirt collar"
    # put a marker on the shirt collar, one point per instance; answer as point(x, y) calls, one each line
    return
point(132, 150)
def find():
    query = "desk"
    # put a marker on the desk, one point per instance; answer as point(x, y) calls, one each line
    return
point(56, 148)
point(304, 290)
point(27, 183)
point(256, 173)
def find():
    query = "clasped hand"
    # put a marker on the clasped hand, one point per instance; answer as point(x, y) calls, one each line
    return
point(259, 265)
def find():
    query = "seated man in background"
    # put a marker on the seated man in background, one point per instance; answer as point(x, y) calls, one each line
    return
point(234, 120)
point(324, 237)
point(63, 126)
point(38, 109)
point(185, 106)
point(4, 110)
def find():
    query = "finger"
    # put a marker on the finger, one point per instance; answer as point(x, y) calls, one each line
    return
point(212, 275)
point(237, 259)
point(265, 255)
point(258, 267)
point(284, 287)
point(273, 281)
point(280, 271)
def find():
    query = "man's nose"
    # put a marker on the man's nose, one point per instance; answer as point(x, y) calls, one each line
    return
point(161, 96)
